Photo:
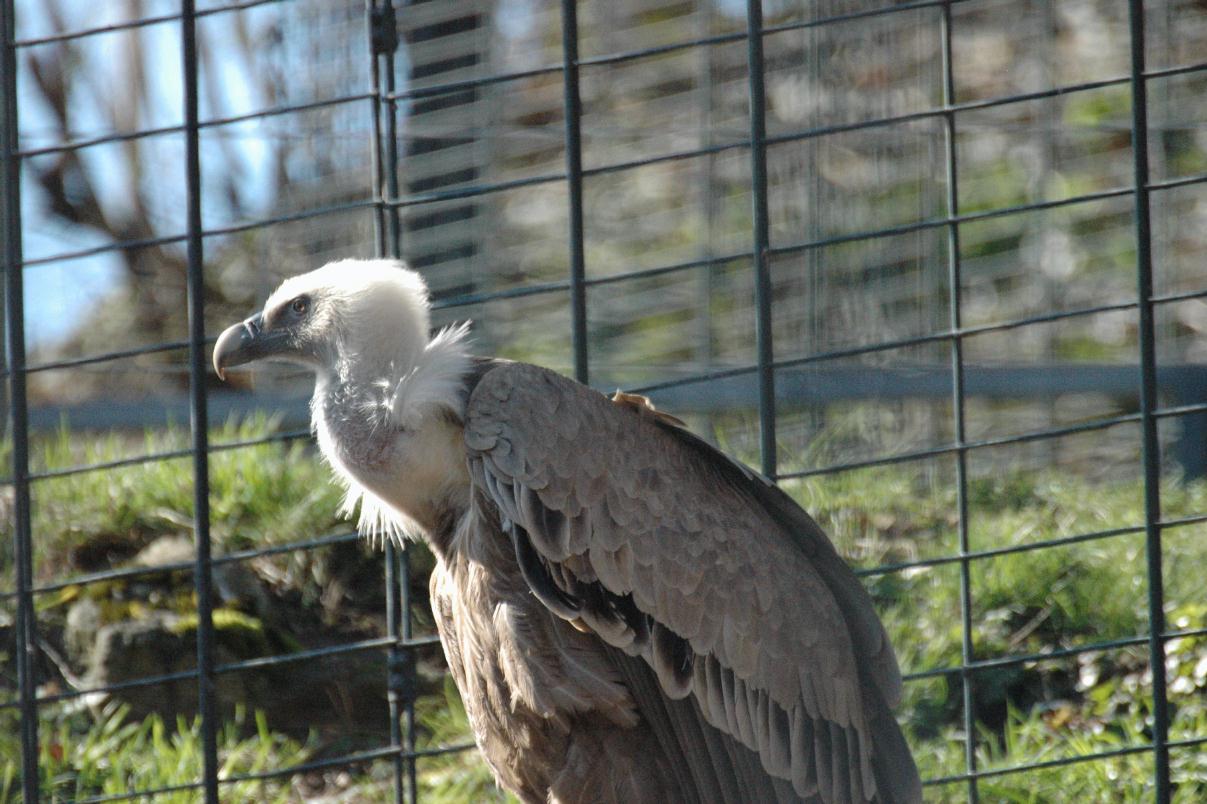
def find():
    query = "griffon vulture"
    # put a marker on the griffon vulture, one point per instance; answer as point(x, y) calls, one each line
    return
point(630, 616)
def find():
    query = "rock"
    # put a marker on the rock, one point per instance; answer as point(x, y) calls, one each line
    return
point(149, 646)
point(130, 629)
point(173, 549)
point(163, 643)
point(236, 585)
point(79, 633)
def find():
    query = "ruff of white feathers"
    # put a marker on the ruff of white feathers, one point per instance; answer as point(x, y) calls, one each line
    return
point(432, 386)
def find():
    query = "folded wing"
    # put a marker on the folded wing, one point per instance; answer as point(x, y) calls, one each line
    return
point(625, 524)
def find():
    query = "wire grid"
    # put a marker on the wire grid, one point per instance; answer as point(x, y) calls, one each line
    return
point(389, 200)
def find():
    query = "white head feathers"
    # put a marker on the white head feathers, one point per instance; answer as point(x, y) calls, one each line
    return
point(370, 312)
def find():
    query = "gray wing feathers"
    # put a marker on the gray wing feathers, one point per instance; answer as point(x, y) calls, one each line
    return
point(896, 774)
point(784, 640)
point(712, 767)
point(867, 632)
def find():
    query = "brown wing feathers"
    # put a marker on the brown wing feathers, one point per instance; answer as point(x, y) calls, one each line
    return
point(669, 551)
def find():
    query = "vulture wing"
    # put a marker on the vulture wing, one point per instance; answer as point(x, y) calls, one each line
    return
point(628, 525)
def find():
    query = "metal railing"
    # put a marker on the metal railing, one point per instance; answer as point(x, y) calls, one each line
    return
point(388, 200)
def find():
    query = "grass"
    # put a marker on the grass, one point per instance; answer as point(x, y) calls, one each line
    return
point(1031, 603)
point(1024, 603)
point(265, 493)
point(106, 753)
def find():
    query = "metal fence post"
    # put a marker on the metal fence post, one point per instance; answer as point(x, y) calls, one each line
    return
point(955, 320)
point(14, 319)
point(199, 416)
point(572, 110)
point(1148, 405)
point(761, 237)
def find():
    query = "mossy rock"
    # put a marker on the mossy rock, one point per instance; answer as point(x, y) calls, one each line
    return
point(241, 634)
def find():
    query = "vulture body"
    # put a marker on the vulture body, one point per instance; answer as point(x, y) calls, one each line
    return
point(629, 615)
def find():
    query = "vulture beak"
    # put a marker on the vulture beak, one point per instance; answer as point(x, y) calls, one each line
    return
point(245, 342)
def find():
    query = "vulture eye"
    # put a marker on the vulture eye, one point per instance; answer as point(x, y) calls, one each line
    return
point(300, 305)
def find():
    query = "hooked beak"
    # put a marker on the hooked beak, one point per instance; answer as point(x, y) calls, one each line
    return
point(245, 342)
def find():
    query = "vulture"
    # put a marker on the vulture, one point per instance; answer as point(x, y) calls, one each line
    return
point(629, 615)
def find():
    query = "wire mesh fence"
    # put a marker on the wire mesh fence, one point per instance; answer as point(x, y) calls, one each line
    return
point(933, 266)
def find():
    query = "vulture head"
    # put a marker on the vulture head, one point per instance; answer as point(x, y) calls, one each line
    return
point(347, 319)
point(388, 395)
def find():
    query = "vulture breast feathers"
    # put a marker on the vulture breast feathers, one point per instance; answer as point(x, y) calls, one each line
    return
point(630, 616)
point(630, 526)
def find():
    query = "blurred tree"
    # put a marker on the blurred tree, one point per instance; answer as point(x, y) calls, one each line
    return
point(131, 192)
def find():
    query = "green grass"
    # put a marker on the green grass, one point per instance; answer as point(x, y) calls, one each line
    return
point(106, 753)
point(1031, 603)
point(266, 493)
point(1024, 603)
